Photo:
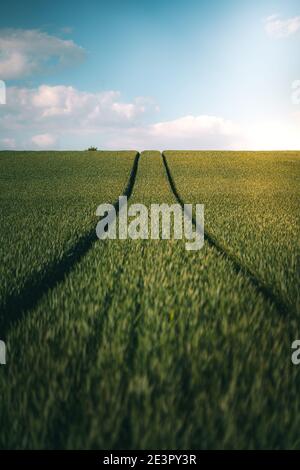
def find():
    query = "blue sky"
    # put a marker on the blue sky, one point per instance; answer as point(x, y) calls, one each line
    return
point(155, 74)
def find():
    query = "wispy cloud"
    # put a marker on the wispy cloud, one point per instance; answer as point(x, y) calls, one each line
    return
point(64, 117)
point(69, 107)
point(27, 52)
point(278, 28)
point(187, 132)
point(55, 110)
point(210, 133)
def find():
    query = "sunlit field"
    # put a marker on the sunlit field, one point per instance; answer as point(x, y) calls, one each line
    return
point(141, 344)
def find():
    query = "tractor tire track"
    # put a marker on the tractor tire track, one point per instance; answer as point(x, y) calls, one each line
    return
point(64, 411)
point(239, 267)
point(17, 304)
point(64, 415)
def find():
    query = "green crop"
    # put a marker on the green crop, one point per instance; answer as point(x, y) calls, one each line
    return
point(251, 207)
point(47, 204)
point(146, 345)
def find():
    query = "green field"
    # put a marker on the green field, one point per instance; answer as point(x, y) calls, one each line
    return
point(252, 209)
point(140, 343)
point(48, 203)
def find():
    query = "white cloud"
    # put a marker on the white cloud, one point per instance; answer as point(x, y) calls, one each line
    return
point(278, 28)
point(210, 133)
point(194, 126)
point(45, 116)
point(27, 52)
point(70, 108)
point(188, 132)
point(44, 141)
point(61, 110)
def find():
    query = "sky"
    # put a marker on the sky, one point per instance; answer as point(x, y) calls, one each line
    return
point(155, 74)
